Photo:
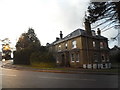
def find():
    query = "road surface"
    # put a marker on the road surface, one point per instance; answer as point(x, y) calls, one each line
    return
point(28, 79)
point(0, 75)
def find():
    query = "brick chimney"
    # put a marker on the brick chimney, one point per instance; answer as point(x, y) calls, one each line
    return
point(57, 38)
point(88, 27)
point(61, 35)
point(99, 32)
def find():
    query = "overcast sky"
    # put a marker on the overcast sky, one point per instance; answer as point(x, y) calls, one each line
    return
point(46, 17)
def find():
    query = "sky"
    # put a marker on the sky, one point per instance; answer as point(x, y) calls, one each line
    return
point(46, 17)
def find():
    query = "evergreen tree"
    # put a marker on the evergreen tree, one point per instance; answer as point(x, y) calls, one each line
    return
point(29, 50)
point(28, 40)
point(108, 12)
point(27, 44)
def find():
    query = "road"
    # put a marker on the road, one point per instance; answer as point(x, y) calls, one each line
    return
point(29, 79)
point(0, 75)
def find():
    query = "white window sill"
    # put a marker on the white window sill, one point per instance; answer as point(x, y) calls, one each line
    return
point(59, 50)
point(74, 48)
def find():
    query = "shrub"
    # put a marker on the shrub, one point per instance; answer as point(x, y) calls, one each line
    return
point(22, 57)
point(43, 64)
point(115, 57)
point(41, 57)
point(29, 56)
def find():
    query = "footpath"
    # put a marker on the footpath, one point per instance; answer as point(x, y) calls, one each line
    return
point(9, 65)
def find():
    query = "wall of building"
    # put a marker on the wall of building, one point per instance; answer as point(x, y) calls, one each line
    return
point(88, 53)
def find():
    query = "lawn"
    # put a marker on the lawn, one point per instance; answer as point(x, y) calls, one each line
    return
point(51, 66)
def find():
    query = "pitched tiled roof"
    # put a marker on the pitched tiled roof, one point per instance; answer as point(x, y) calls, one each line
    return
point(100, 37)
point(76, 33)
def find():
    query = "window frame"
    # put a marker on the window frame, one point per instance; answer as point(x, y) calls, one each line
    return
point(95, 57)
point(74, 44)
point(94, 44)
point(103, 58)
point(66, 46)
point(77, 57)
point(59, 47)
point(72, 57)
point(101, 45)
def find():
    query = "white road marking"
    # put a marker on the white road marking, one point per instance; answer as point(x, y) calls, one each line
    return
point(8, 75)
point(5, 69)
point(68, 78)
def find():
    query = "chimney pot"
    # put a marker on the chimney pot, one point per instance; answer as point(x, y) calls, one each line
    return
point(61, 35)
point(98, 31)
point(57, 38)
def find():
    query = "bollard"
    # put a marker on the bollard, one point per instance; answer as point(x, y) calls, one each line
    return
point(89, 66)
point(84, 66)
point(94, 66)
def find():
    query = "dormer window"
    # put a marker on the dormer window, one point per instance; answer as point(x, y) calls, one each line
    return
point(74, 44)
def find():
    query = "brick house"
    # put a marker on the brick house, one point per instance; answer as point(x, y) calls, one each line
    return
point(81, 48)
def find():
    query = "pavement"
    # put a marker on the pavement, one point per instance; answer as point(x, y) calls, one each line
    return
point(9, 65)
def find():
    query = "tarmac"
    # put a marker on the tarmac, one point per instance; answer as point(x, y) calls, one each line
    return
point(9, 65)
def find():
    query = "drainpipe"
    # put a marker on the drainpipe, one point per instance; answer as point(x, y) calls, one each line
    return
point(87, 49)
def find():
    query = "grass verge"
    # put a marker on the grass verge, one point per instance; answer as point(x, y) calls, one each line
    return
point(52, 66)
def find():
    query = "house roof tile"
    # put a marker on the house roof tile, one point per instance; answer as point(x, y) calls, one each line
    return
point(76, 33)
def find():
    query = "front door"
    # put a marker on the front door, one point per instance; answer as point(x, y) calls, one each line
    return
point(63, 60)
point(67, 59)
